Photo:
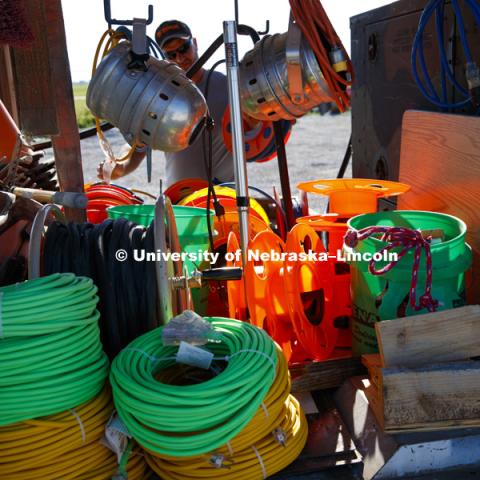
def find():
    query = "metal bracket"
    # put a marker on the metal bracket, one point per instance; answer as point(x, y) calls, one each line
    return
point(294, 70)
point(139, 51)
point(139, 36)
point(113, 21)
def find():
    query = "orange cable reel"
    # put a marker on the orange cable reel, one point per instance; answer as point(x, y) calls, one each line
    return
point(309, 292)
point(266, 299)
point(256, 140)
point(259, 140)
point(183, 188)
point(342, 300)
point(101, 196)
point(354, 196)
point(237, 304)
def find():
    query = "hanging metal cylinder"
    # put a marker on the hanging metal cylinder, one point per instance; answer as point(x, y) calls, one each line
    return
point(281, 78)
point(160, 107)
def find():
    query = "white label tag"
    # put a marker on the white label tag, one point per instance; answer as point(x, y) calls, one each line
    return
point(194, 356)
point(116, 437)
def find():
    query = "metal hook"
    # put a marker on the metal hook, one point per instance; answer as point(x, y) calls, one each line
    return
point(267, 28)
point(113, 21)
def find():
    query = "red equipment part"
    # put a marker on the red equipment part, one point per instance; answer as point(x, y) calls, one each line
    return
point(8, 133)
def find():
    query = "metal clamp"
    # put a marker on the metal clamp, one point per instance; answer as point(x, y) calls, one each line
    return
point(292, 54)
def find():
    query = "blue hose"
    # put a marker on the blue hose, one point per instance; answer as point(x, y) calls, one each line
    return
point(418, 55)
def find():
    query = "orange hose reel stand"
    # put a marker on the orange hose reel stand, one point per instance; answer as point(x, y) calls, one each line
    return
point(266, 300)
point(342, 300)
point(309, 292)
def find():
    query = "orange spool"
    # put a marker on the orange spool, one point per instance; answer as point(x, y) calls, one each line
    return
point(342, 301)
point(256, 140)
point(101, 196)
point(310, 296)
point(354, 196)
point(266, 300)
point(183, 188)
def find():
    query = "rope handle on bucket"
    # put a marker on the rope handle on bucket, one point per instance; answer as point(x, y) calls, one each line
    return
point(408, 239)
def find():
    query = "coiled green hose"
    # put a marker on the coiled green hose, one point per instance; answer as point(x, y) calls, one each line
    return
point(193, 419)
point(51, 357)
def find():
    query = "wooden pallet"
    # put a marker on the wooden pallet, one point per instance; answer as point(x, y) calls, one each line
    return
point(424, 378)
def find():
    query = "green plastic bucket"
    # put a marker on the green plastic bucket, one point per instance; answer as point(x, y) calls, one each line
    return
point(385, 297)
point(192, 233)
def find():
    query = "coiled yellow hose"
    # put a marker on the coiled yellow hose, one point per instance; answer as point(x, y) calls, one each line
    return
point(259, 460)
point(257, 451)
point(64, 446)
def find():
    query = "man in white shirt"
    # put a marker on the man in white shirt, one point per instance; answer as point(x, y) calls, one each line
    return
point(178, 45)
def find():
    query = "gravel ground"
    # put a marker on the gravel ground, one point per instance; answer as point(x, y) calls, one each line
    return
point(315, 150)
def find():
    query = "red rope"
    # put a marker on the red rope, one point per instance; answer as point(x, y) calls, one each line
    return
point(408, 239)
point(315, 24)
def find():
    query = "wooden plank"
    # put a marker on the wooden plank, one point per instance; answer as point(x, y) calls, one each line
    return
point(7, 83)
point(440, 159)
point(322, 375)
point(443, 336)
point(406, 455)
point(33, 81)
point(66, 145)
point(375, 400)
point(430, 397)
point(373, 363)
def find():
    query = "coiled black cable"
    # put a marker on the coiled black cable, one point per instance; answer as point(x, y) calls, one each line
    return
point(127, 289)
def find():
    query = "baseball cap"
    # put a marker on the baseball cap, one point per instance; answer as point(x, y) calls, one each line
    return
point(172, 29)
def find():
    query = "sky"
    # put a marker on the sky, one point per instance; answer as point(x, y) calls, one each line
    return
point(85, 22)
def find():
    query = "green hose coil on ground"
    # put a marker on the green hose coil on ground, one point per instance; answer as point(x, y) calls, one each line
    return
point(193, 419)
point(51, 357)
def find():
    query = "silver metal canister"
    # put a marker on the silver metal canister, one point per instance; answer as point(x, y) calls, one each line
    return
point(269, 90)
point(160, 107)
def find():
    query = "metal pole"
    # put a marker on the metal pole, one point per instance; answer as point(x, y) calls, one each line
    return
point(284, 177)
point(240, 165)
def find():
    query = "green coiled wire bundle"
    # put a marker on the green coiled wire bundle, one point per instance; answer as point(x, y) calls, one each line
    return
point(186, 420)
point(51, 357)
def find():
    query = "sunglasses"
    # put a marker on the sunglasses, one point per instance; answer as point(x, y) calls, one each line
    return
point(172, 55)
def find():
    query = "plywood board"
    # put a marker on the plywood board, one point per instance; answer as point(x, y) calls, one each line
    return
point(440, 159)
point(443, 336)
point(442, 396)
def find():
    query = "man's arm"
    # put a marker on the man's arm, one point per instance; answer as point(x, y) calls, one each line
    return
point(126, 166)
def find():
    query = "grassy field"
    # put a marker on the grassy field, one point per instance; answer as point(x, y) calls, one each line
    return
point(84, 117)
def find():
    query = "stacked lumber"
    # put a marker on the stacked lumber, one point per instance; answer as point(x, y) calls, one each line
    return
point(426, 376)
